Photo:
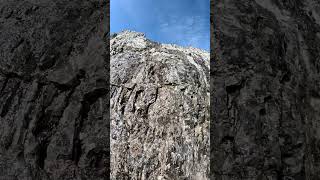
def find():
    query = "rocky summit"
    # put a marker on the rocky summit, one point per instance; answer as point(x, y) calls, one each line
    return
point(159, 102)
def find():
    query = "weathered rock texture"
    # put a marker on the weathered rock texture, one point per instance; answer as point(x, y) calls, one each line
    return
point(265, 90)
point(53, 89)
point(159, 110)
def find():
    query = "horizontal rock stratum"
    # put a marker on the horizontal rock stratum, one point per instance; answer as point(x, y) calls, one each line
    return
point(159, 109)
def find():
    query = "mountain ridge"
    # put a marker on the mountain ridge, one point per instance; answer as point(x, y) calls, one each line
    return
point(133, 33)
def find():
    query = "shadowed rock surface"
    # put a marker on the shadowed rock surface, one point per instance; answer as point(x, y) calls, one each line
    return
point(265, 88)
point(53, 89)
point(159, 110)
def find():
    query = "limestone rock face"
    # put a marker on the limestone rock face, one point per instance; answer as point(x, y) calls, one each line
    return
point(53, 90)
point(159, 102)
point(265, 90)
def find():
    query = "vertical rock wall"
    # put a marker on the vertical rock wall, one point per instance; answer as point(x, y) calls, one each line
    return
point(265, 89)
point(53, 90)
point(159, 110)
point(54, 101)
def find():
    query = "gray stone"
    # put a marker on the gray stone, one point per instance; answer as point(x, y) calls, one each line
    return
point(265, 76)
point(159, 110)
point(54, 118)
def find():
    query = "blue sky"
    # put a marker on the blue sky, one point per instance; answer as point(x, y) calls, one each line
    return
point(182, 22)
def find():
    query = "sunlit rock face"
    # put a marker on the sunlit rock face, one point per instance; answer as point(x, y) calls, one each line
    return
point(159, 109)
point(265, 90)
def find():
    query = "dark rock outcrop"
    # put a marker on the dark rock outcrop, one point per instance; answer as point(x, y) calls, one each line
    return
point(265, 89)
point(53, 89)
point(159, 110)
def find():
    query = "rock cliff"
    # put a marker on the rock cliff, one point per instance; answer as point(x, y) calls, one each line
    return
point(54, 95)
point(53, 90)
point(159, 101)
point(265, 87)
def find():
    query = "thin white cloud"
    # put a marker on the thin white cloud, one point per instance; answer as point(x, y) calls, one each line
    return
point(188, 31)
